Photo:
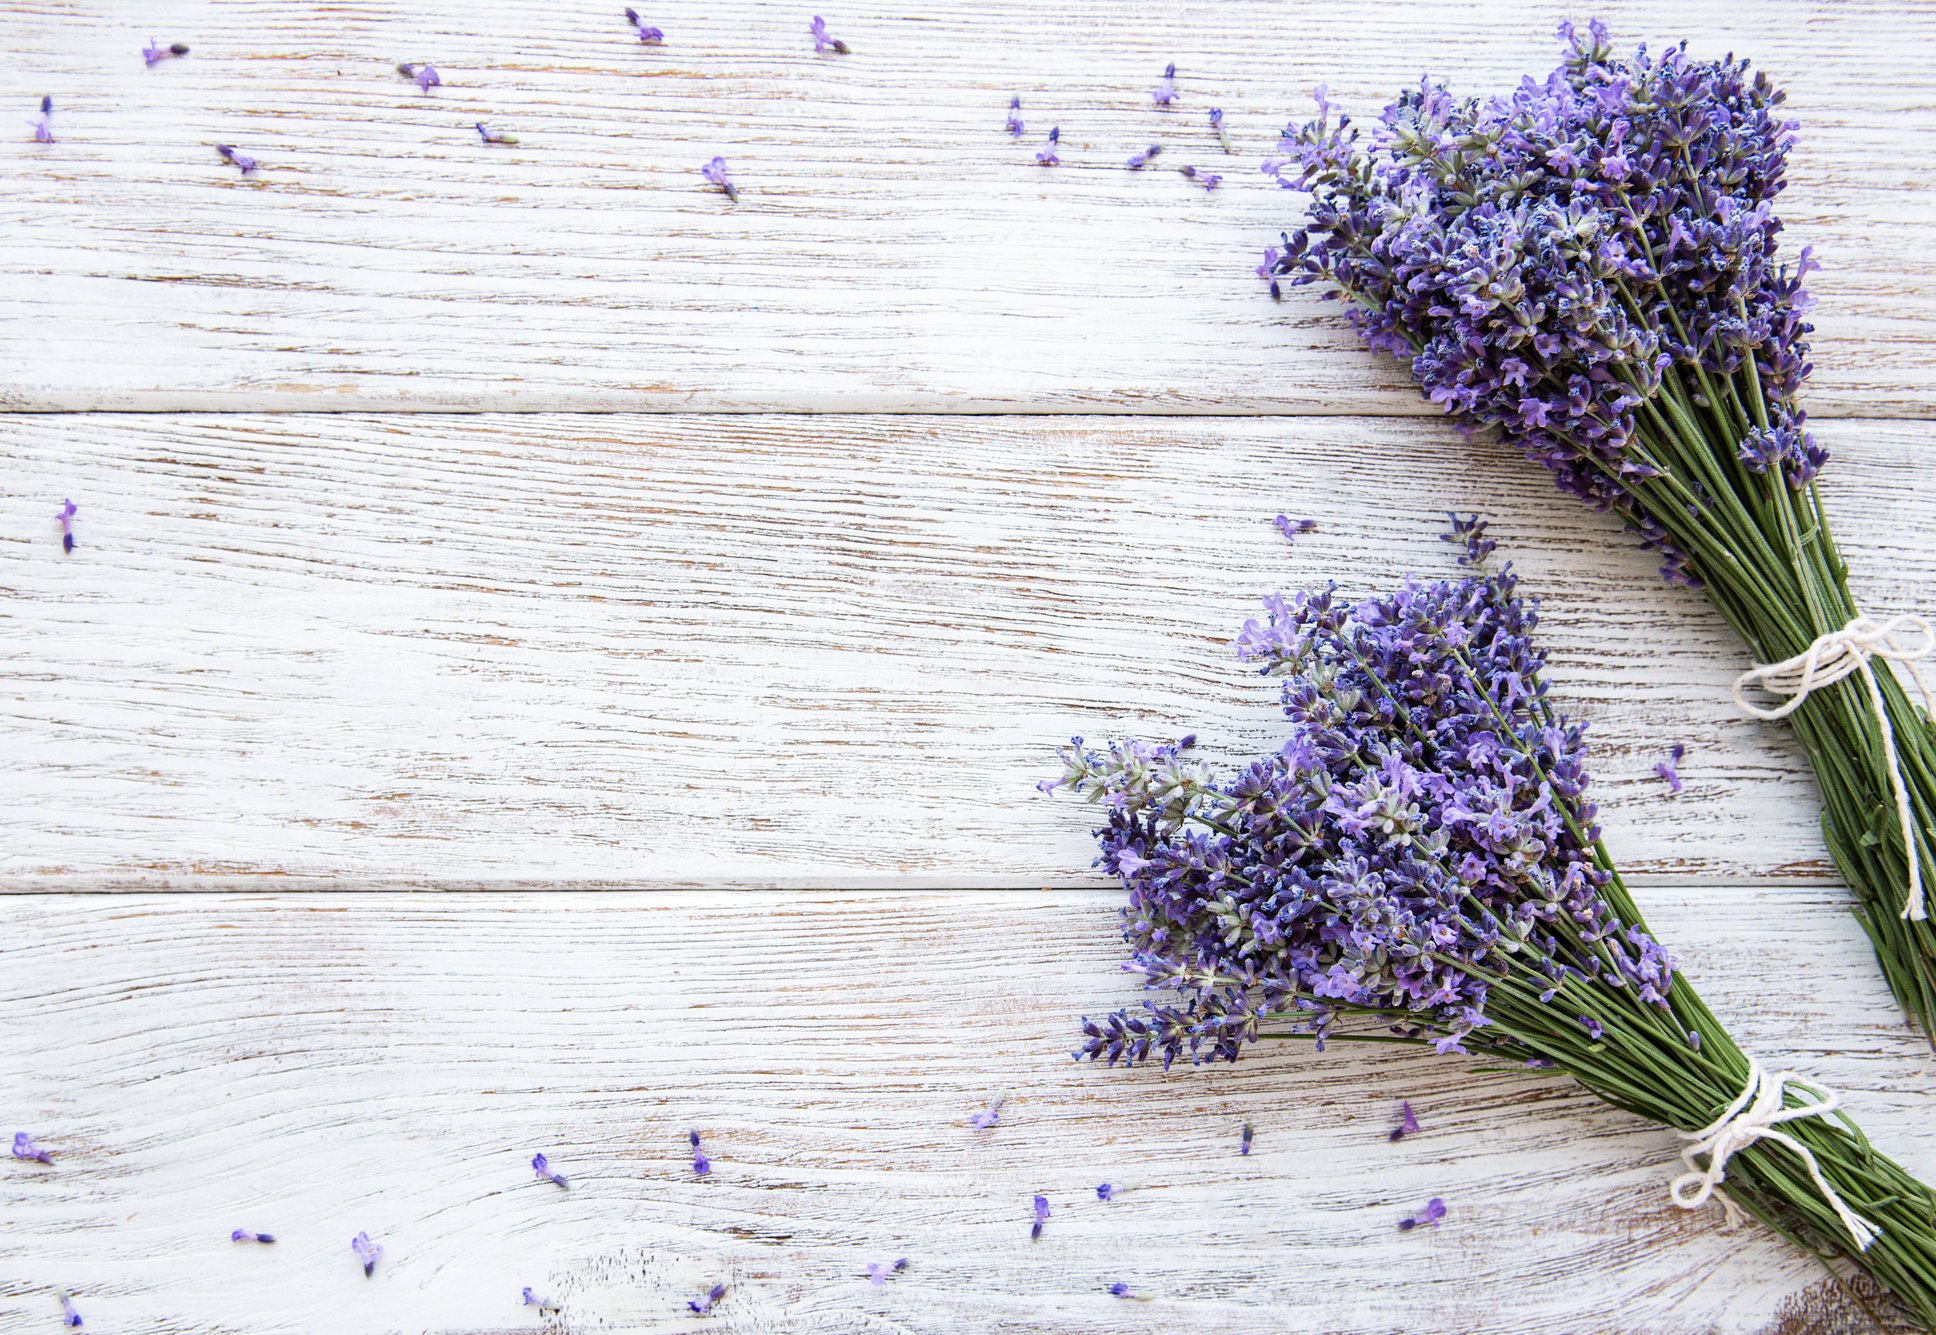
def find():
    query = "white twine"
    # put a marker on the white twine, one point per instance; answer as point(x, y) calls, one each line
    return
point(1752, 1117)
point(1843, 653)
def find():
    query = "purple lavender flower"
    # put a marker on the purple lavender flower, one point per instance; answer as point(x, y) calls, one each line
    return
point(490, 136)
point(822, 43)
point(1014, 123)
point(424, 76)
point(705, 1305)
point(1433, 1212)
point(533, 1299)
point(65, 518)
point(24, 1148)
point(1243, 1144)
point(70, 1315)
point(1292, 529)
point(701, 1165)
point(1669, 769)
point(879, 1272)
point(1268, 272)
point(1165, 92)
point(1047, 157)
point(1041, 1218)
point(1407, 1123)
point(1105, 1192)
point(1119, 1289)
point(1470, 532)
point(541, 1166)
point(245, 1235)
point(715, 174)
point(1141, 159)
point(1216, 123)
point(990, 1115)
point(1593, 1028)
point(241, 161)
point(154, 53)
point(648, 35)
point(1208, 180)
point(43, 127)
point(367, 1252)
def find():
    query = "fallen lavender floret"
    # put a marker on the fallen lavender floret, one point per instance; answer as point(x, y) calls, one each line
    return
point(533, 1299)
point(1014, 125)
point(879, 1272)
point(704, 1305)
point(44, 125)
point(1589, 264)
point(1433, 1212)
point(70, 1315)
point(1041, 1218)
point(1208, 180)
point(715, 173)
point(1469, 531)
point(1407, 1121)
point(1244, 1141)
point(490, 136)
point(154, 53)
point(1419, 863)
point(65, 518)
point(1216, 123)
point(1293, 529)
point(648, 35)
point(541, 1166)
point(701, 1165)
point(990, 1115)
point(245, 1235)
point(1165, 92)
point(24, 1148)
point(822, 43)
point(424, 76)
point(241, 161)
point(1047, 157)
point(1669, 769)
point(367, 1252)
point(1137, 162)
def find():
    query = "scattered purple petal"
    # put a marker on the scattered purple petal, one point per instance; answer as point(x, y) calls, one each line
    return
point(648, 35)
point(490, 136)
point(70, 1315)
point(24, 1148)
point(1047, 157)
point(1041, 1218)
point(154, 53)
point(705, 1304)
point(1669, 769)
point(701, 1165)
point(1293, 529)
point(1433, 1212)
point(1165, 92)
point(1208, 180)
point(1470, 532)
point(879, 1272)
point(822, 43)
point(43, 127)
point(1136, 163)
point(244, 1235)
point(990, 1115)
point(1250, 1132)
point(241, 161)
point(1407, 1123)
point(369, 1253)
point(424, 76)
point(715, 173)
point(1014, 125)
point(542, 1167)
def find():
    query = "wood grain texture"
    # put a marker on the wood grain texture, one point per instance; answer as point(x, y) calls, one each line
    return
point(318, 1065)
point(807, 651)
point(893, 250)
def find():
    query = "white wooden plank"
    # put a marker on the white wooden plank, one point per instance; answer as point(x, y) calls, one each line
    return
point(892, 250)
point(318, 1065)
point(732, 650)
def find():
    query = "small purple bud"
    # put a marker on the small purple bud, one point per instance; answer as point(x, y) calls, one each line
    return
point(822, 43)
point(879, 1272)
point(490, 136)
point(990, 1115)
point(1165, 92)
point(245, 1235)
point(70, 1315)
point(154, 53)
point(43, 128)
point(24, 1148)
point(239, 160)
point(1136, 163)
point(1047, 157)
point(1243, 1146)
point(715, 172)
point(1292, 529)
point(541, 1166)
point(369, 1253)
point(1120, 1290)
point(1407, 1123)
point(1433, 1212)
point(701, 1165)
point(1014, 125)
point(1041, 1218)
point(1669, 769)
point(424, 76)
point(648, 35)
point(705, 1304)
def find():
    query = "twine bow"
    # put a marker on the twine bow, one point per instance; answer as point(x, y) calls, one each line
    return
point(1752, 1117)
point(1838, 654)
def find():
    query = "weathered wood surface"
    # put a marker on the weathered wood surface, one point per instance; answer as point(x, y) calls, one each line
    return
point(322, 1064)
point(892, 250)
point(795, 650)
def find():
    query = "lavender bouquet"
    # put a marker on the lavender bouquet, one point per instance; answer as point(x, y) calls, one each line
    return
point(1589, 266)
point(1421, 858)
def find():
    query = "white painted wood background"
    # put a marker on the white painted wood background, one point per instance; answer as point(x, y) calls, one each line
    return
point(349, 622)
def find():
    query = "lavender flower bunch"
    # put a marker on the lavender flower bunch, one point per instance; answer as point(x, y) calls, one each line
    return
point(1589, 266)
point(1419, 863)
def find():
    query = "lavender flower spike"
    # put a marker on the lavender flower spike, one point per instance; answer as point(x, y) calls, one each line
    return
point(715, 173)
point(1669, 769)
point(43, 127)
point(705, 1305)
point(990, 1115)
point(241, 161)
point(701, 1165)
point(542, 1167)
point(1047, 157)
point(648, 35)
point(1041, 1218)
point(1014, 123)
point(1165, 92)
point(70, 1315)
point(1407, 1123)
point(490, 136)
point(24, 1148)
point(822, 43)
point(369, 1253)
point(244, 1235)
